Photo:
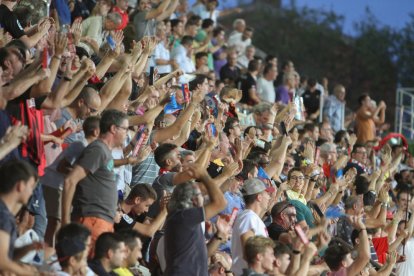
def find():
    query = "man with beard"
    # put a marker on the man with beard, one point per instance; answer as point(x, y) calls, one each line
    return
point(167, 156)
point(283, 219)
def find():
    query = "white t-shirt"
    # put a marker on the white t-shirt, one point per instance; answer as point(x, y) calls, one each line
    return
point(245, 221)
point(243, 62)
point(236, 40)
point(406, 268)
point(186, 64)
point(266, 90)
point(161, 52)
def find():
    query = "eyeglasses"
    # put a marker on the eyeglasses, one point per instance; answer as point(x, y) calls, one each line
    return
point(124, 128)
point(92, 110)
point(287, 165)
point(297, 178)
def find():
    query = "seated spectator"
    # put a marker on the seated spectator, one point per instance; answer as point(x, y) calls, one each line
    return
point(311, 100)
point(230, 73)
point(182, 54)
point(358, 159)
point(71, 256)
point(241, 40)
point(109, 254)
point(133, 254)
point(19, 180)
point(247, 84)
point(259, 256)
point(283, 219)
point(282, 259)
point(265, 88)
point(243, 60)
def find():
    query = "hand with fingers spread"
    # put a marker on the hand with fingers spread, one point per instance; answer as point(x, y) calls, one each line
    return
point(231, 169)
point(15, 134)
point(143, 153)
point(197, 172)
point(76, 30)
point(61, 41)
point(357, 222)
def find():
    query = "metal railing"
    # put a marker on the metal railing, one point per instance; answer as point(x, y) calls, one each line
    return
point(404, 112)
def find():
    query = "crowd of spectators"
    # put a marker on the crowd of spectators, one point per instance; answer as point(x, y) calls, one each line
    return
point(143, 138)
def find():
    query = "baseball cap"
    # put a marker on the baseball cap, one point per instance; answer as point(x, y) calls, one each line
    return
point(67, 248)
point(254, 186)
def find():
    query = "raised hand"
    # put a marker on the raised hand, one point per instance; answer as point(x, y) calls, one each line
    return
point(61, 41)
point(16, 134)
point(76, 30)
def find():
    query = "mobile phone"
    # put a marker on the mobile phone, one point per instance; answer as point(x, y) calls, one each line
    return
point(211, 130)
point(151, 76)
point(45, 58)
point(186, 92)
point(302, 236)
point(283, 128)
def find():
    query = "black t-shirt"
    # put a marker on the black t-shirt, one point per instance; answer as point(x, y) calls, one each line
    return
point(246, 83)
point(229, 75)
point(311, 101)
point(8, 225)
point(275, 230)
point(185, 249)
point(10, 23)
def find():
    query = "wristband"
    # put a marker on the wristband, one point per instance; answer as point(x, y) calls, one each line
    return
point(56, 57)
point(296, 252)
point(228, 271)
point(67, 79)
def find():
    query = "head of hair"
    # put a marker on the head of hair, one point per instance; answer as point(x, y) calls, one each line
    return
point(143, 191)
point(182, 197)
point(362, 98)
point(200, 55)
point(268, 67)
point(249, 29)
point(339, 136)
point(114, 17)
point(350, 202)
point(335, 253)
point(261, 108)
point(13, 172)
point(199, 80)
point(187, 40)
point(207, 23)
point(248, 167)
point(361, 184)
point(185, 153)
point(105, 242)
point(309, 127)
point(281, 249)
point(193, 20)
point(257, 245)
point(217, 31)
point(229, 125)
point(90, 125)
point(268, 58)
point(162, 153)
point(247, 130)
point(175, 22)
point(73, 231)
point(356, 147)
point(24, 15)
point(129, 237)
point(311, 82)
point(295, 169)
point(238, 21)
point(253, 65)
point(109, 118)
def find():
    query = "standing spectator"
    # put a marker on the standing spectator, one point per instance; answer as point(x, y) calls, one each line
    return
point(182, 54)
point(367, 118)
point(247, 84)
point(219, 51)
point(90, 185)
point(177, 32)
point(145, 18)
point(265, 87)
point(241, 40)
point(11, 24)
point(181, 11)
point(201, 59)
point(238, 28)
point(311, 100)
point(326, 133)
point(283, 219)
point(243, 60)
point(249, 222)
point(18, 182)
point(230, 73)
point(359, 159)
point(285, 91)
point(259, 256)
point(185, 249)
point(334, 108)
point(287, 67)
point(162, 53)
point(71, 256)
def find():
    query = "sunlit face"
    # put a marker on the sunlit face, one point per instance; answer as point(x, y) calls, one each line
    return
point(144, 5)
point(289, 217)
point(268, 258)
point(288, 165)
point(403, 201)
point(297, 181)
point(360, 155)
point(188, 160)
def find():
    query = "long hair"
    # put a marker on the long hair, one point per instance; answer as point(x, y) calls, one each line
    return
point(182, 197)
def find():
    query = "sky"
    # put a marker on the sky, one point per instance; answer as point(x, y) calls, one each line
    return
point(394, 13)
